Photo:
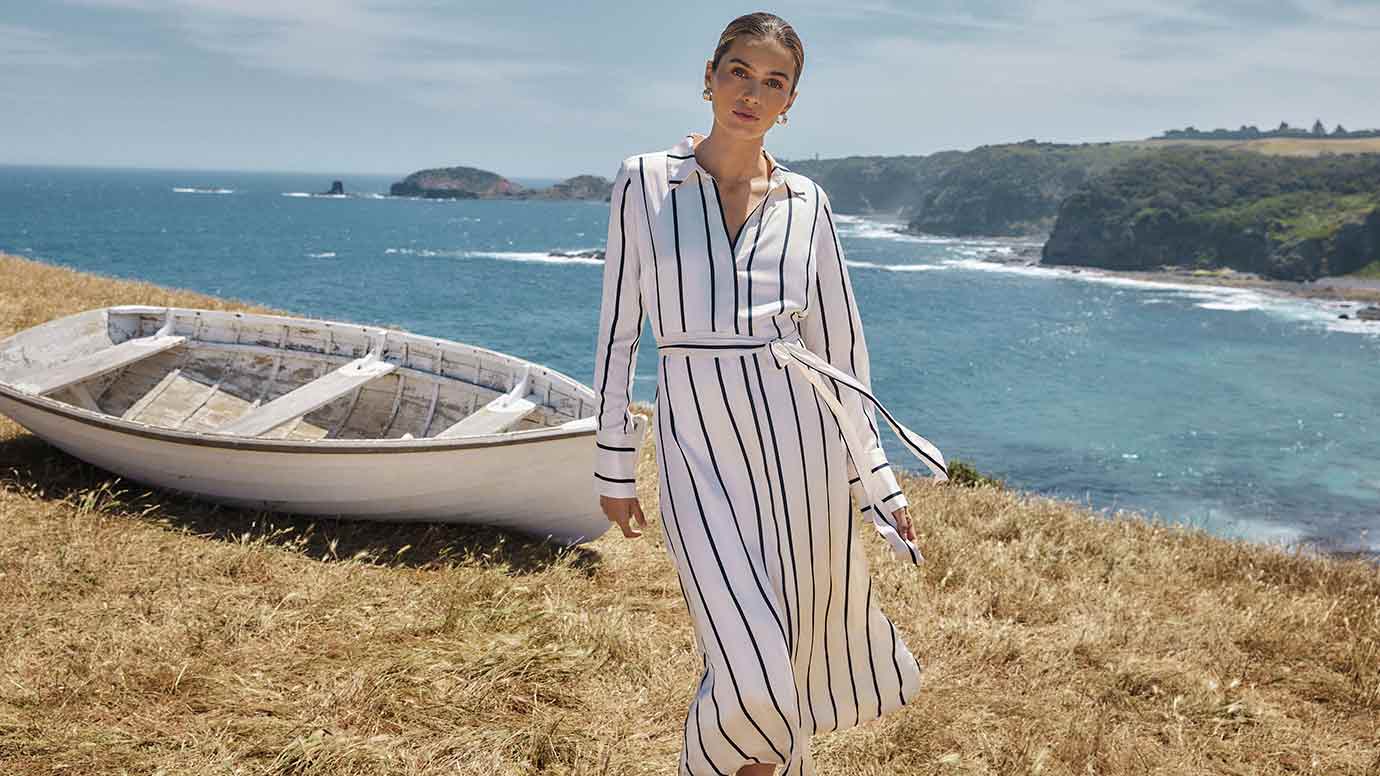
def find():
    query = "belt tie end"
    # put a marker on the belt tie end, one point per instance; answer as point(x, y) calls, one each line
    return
point(812, 367)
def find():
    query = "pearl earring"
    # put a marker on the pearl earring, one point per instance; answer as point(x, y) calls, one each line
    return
point(708, 95)
point(781, 119)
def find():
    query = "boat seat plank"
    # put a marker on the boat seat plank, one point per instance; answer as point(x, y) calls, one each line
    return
point(311, 396)
point(501, 414)
point(52, 379)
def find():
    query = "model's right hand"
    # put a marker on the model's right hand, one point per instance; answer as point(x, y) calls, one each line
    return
point(623, 511)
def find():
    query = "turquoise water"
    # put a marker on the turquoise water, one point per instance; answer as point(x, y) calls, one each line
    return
point(1246, 414)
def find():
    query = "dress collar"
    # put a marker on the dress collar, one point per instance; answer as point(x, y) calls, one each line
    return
point(681, 165)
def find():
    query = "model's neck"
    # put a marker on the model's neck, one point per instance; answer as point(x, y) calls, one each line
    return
point(731, 159)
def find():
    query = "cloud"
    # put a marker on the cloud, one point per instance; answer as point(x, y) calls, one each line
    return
point(932, 20)
point(25, 47)
point(1096, 72)
point(407, 45)
point(21, 46)
point(1256, 13)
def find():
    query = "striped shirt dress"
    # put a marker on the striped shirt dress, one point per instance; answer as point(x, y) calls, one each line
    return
point(766, 437)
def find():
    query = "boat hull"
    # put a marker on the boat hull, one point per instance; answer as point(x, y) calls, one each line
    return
point(539, 485)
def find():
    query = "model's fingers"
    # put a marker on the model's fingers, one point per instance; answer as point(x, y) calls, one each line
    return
point(620, 511)
point(902, 518)
point(623, 524)
point(629, 511)
point(637, 512)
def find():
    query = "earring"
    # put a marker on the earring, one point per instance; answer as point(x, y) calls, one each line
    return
point(708, 95)
point(781, 119)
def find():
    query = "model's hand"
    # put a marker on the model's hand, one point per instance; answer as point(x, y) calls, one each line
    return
point(623, 511)
point(903, 525)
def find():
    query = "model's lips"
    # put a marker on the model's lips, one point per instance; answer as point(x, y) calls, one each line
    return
point(744, 116)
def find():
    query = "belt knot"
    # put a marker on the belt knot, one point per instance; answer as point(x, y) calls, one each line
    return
point(724, 344)
point(789, 351)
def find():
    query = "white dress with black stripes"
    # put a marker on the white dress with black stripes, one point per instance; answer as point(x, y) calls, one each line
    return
point(766, 434)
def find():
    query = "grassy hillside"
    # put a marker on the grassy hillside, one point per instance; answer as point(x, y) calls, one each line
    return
point(1274, 146)
point(1006, 189)
point(1371, 270)
point(150, 634)
point(1289, 218)
point(1010, 188)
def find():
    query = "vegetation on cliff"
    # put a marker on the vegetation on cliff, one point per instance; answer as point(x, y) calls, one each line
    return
point(1008, 189)
point(1281, 217)
point(1012, 189)
point(1017, 188)
point(1251, 132)
point(875, 184)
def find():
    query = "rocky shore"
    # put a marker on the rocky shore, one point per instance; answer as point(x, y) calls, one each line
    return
point(1339, 288)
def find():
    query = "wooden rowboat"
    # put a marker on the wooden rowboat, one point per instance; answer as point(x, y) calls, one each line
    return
point(311, 416)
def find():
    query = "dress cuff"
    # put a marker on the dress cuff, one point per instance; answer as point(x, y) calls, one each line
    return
point(615, 460)
point(891, 496)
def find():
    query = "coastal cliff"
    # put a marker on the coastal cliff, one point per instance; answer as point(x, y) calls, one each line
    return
point(1011, 189)
point(1017, 188)
point(1279, 217)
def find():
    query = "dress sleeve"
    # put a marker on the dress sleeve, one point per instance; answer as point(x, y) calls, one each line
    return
point(618, 433)
point(833, 330)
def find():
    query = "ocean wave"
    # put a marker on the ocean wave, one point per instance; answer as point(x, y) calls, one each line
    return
point(1234, 305)
point(525, 257)
point(863, 227)
point(1314, 312)
point(892, 267)
point(322, 255)
point(1227, 299)
point(193, 190)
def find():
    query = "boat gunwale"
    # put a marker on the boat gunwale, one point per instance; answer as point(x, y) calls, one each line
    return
point(380, 445)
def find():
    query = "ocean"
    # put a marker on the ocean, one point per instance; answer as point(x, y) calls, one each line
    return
point(1246, 414)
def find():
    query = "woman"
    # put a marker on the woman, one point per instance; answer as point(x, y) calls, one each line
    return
point(764, 420)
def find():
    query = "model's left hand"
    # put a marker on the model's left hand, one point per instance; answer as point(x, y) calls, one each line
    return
point(904, 527)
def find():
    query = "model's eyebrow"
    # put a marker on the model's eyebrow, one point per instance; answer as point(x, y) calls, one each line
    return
point(749, 67)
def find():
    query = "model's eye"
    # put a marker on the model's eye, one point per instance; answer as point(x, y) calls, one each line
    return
point(776, 83)
point(739, 71)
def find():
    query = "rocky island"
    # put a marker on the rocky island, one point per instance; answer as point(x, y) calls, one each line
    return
point(474, 183)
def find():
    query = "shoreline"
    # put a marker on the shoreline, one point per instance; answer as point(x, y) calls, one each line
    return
point(1360, 291)
point(1338, 288)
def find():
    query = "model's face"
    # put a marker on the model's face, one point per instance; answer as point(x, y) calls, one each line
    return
point(752, 86)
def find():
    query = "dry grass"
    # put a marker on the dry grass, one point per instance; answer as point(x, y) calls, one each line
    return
point(148, 634)
point(1279, 146)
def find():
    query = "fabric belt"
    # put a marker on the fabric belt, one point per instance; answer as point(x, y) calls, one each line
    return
point(790, 351)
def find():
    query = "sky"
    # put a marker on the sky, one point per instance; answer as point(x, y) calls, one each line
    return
point(545, 89)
